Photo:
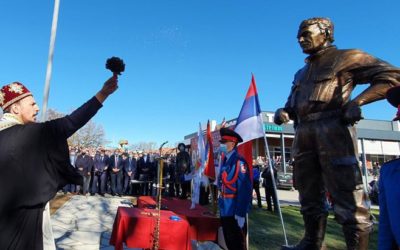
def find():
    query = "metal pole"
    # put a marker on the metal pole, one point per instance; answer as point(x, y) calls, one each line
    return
point(273, 183)
point(48, 236)
point(283, 159)
point(364, 161)
point(364, 172)
point(50, 58)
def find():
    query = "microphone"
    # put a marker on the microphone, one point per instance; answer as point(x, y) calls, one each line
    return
point(162, 145)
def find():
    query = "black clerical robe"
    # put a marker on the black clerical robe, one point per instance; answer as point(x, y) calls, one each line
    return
point(34, 164)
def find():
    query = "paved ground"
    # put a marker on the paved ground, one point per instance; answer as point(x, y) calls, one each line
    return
point(85, 222)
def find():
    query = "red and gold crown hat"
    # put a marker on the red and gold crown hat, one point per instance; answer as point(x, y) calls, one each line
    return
point(12, 93)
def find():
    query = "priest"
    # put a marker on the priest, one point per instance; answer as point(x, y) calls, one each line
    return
point(34, 161)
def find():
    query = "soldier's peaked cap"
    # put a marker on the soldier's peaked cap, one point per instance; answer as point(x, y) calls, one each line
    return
point(229, 135)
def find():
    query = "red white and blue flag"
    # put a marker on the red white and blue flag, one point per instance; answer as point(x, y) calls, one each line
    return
point(249, 124)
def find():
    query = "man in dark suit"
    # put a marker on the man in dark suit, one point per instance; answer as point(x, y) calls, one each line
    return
point(268, 184)
point(100, 173)
point(116, 165)
point(183, 166)
point(129, 172)
point(72, 156)
point(84, 164)
point(144, 167)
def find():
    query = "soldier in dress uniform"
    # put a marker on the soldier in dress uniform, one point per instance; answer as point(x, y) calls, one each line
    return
point(235, 186)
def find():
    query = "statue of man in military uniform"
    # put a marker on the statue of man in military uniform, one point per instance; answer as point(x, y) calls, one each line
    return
point(325, 145)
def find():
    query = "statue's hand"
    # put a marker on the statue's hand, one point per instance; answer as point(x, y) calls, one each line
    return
point(352, 113)
point(281, 116)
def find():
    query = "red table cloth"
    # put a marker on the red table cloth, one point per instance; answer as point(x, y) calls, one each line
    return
point(135, 228)
point(203, 225)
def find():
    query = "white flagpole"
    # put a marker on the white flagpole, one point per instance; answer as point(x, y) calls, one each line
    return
point(50, 59)
point(48, 237)
point(274, 183)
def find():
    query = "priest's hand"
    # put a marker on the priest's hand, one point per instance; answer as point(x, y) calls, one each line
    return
point(108, 88)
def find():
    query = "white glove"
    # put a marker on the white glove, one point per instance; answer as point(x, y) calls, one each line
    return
point(240, 221)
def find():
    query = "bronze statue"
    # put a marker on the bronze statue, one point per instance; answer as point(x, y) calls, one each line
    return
point(325, 145)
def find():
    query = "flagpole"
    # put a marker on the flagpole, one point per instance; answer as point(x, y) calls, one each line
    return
point(274, 183)
point(48, 235)
point(50, 58)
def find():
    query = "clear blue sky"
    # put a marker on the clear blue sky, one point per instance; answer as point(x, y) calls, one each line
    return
point(186, 61)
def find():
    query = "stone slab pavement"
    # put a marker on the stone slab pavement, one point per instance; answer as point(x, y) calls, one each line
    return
point(85, 222)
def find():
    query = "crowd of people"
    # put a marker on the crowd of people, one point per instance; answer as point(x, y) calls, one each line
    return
point(324, 153)
point(123, 172)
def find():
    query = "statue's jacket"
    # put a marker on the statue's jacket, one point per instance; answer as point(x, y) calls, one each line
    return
point(326, 81)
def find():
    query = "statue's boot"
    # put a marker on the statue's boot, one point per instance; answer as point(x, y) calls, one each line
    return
point(356, 240)
point(314, 234)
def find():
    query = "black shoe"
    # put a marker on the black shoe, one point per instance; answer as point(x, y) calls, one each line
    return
point(91, 194)
point(102, 195)
point(119, 195)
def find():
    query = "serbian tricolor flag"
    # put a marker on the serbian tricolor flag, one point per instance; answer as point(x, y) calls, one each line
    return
point(249, 124)
point(209, 169)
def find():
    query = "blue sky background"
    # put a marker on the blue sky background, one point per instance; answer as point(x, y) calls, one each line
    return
point(186, 61)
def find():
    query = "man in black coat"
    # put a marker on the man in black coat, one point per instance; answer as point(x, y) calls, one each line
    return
point(129, 172)
point(116, 165)
point(100, 173)
point(34, 161)
point(183, 166)
point(268, 184)
point(84, 164)
point(145, 168)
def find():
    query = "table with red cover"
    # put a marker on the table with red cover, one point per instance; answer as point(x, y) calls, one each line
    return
point(203, 225)
point(135, 228)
